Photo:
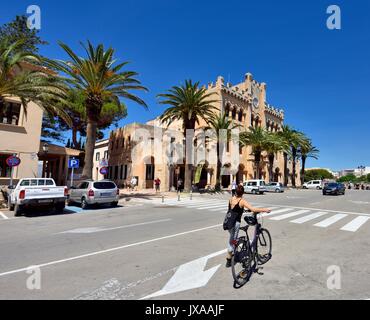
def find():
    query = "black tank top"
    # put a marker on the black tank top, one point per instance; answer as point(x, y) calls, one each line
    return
point(238, 210)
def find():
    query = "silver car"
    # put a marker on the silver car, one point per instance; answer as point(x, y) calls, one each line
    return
point(275, 187)
point(89, 193)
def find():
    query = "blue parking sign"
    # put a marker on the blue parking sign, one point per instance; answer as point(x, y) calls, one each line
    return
point(73, 163)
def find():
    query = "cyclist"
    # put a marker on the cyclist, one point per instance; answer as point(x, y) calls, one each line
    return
point(238, 204)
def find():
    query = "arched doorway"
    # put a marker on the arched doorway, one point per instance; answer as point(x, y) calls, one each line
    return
point(149, 164)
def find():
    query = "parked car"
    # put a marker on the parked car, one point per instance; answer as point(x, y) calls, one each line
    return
point(277, 187)
point(90, 192)
point(314, 184)
point(334, 188)
point(36, 193)
point(255, 186)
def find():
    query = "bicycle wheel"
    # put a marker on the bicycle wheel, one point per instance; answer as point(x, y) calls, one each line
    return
point(241, 262)
point(264, 247)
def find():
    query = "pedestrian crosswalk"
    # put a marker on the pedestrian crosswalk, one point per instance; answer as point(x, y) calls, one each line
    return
point(350, 222)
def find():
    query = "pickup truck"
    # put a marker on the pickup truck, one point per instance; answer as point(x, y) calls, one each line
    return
point(36, 193)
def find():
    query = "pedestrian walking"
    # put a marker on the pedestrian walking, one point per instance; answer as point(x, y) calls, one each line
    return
point(233, 188)
point(179, 185)
point(133, 183)
point(157, 184)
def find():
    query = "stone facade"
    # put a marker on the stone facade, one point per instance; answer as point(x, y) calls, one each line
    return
point(134, 150)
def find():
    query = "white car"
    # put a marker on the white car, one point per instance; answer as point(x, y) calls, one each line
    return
point(313, 184)
point(255, 186)
point(36, 193)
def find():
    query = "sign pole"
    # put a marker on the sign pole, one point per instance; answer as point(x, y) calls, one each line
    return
point(11, 173)
point(72, 172)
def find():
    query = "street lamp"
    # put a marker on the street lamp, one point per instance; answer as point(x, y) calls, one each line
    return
point(361, 168)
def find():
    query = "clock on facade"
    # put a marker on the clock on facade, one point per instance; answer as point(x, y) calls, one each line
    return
point(255, 92)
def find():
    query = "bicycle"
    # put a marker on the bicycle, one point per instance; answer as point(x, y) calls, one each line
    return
point(248, 255)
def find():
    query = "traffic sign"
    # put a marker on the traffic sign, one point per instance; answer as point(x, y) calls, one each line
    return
point(103, 163)
point(13, 161)
point(104, 171)
point(73, 163)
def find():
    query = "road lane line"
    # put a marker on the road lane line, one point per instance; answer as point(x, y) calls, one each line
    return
point(309, 217)
point(355, 224)
point(278, 211)
point(107, 250)
point(290, 215)
point(316, 209)
point(3, 216)
point(329, 221)
point(95, 230)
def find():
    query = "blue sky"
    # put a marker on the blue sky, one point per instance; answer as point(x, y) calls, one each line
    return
point(320, 77)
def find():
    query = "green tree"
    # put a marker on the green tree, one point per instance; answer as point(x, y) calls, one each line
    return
point(306, 151)
point(368, 178)
point(20, 77)
point(317, 174)
point(348, 178)
point(221, 124)
point(110, 114)
point(17, 30)
point(257, 138)
point(99, 78)
point(273, 145)
point(295, 139)
point(188, 103)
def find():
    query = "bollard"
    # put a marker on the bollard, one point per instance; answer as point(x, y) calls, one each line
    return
point(178, 196)
point(191, 195)
point(162, 198)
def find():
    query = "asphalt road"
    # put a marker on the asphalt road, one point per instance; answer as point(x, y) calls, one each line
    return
point(147, 249)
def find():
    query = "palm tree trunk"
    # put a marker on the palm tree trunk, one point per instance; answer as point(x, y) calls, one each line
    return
point(218, 169)
point(89, 149)
point(74, 138)
point(294, 156)
point(285, 169)
point(303, 169)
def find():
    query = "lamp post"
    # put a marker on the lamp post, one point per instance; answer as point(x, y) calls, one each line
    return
point(361, 168)
point(45, 149)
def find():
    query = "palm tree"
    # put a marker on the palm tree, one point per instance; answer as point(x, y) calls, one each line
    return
point(23, 77)
point(188, 103)
point(294, 139)
point(256, 137)
point(307, 151)
point(100, 79)
point(274, 144)
point(218, 124)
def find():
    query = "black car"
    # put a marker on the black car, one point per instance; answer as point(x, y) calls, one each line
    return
point(334, 188)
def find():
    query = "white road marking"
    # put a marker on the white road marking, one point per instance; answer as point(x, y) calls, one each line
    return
point(329, 221)
point(189, 276)
point(3, 216)
point(290, 215)
point(219, 206)
point(108, 250)
point(355, 224)
point(94, 230)
point(309, 217)
point(316, 209)
point(278, 211)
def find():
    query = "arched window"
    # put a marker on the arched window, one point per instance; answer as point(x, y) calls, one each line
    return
point(240, 116)
point(234, 114)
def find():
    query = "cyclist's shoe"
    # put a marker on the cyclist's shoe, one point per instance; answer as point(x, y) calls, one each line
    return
point(228, 263)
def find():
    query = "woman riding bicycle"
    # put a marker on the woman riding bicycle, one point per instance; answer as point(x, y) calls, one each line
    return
point(238, 204)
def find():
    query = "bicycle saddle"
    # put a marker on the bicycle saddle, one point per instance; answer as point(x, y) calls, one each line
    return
point(250, 220)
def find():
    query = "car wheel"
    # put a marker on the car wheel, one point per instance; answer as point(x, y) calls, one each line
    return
point(17, 210)
point(10, 205)
point(277, 191)
point(84, 204)
point(318, 188)
point(254, 191)
point(114, 204)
